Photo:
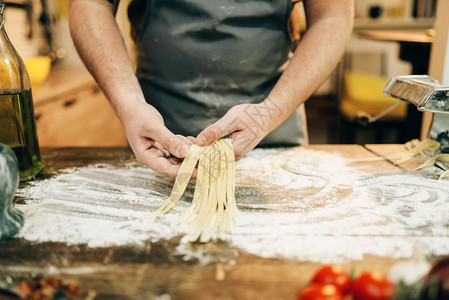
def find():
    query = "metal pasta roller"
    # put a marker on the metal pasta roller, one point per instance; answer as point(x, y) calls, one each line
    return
point(420, 90)
point(426, 94)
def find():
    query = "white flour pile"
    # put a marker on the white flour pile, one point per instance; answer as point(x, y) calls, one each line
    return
point(301, 205)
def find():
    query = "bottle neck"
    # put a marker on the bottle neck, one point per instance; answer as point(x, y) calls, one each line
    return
point(3, 36)
point(4, 39)
point(13, 74)
point(2, 15)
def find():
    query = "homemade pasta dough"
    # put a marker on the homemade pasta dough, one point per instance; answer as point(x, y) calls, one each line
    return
point(213, 206)
point(413, 148)
point(431, 162)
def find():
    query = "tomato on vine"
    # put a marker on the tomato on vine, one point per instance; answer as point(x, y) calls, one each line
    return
point(372, 285)
point(318, 291)
point(335, 275)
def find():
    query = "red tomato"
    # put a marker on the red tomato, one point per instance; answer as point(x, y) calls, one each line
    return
point(335, 275)
point(372, 286)
point(318, 291)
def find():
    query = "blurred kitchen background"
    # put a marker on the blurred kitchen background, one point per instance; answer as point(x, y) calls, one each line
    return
point(390, 38)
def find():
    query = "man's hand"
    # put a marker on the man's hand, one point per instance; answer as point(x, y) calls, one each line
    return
point(100, 45)
point(246, 125)
point(153, 144)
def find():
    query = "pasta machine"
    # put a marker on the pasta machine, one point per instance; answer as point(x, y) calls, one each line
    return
point(426, 94)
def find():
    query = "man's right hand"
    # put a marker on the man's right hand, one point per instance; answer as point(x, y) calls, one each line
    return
point(147, 134)
point(100, 45)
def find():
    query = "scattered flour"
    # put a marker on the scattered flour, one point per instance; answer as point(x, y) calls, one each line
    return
point(98, 205)
point(297, 204)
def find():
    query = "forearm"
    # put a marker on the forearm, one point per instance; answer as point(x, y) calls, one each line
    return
point(320, 49)
point(100, 45)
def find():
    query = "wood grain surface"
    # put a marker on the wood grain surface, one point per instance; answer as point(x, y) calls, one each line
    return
point(153, 270)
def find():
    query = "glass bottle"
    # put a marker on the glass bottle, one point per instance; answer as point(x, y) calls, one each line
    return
point(17, 121)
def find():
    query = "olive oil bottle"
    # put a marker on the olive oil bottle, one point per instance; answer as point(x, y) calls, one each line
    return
point(17, 121)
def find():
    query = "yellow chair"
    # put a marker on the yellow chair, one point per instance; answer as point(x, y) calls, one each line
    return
point(363, 93)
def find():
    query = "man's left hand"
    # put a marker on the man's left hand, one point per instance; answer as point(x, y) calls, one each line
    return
point(246, 125)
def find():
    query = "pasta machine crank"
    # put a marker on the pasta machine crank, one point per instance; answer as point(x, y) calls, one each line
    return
point(426, 94)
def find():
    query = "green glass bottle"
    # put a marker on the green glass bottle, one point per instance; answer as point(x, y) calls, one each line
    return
point(17, 121)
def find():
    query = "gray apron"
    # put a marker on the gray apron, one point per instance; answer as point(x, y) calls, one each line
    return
point(199, 58)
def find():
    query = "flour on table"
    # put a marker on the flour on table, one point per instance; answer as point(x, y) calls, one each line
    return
point(97, 205)
point(297, 204)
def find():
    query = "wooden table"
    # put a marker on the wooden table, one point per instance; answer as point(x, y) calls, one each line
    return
point(129, 272)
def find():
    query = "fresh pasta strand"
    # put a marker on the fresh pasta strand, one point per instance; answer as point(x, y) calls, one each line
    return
point(444, 174)
point(413, 148)
point(416, 147)
point(213, 207)
point(181, 181)
point(431, 162)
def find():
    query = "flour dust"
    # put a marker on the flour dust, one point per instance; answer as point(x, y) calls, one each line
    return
point(298, 204)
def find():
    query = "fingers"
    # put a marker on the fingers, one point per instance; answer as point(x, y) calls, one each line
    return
point(238, 149)
point(163, 152)
point(169, 166)
point(156, 160)
point(243, 141)
point(222, 127)
point(192, 139)
point(177, 145)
